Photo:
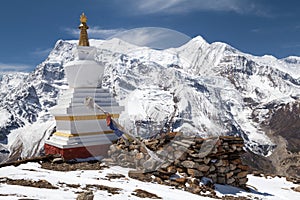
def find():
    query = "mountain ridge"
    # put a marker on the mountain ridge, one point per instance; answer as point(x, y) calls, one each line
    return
point(198, 88)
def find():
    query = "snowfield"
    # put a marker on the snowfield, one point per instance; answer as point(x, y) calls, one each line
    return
point(261, 188)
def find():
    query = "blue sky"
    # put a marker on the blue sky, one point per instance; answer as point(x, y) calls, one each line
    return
point(30, 28)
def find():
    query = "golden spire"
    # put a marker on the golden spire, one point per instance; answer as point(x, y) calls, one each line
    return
point(83, 18)
point(83, 39)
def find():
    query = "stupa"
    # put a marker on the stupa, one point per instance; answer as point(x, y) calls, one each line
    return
point(82, 132)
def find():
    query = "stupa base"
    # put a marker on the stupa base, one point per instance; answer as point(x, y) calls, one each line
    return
point(78, 152)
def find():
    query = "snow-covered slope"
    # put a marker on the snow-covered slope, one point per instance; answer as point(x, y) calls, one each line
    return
point(198, 88)
point(69, 184)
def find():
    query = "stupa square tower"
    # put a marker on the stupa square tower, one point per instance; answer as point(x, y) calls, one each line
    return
point(81, 132)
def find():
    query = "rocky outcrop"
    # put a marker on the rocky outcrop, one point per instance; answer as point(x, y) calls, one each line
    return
point(179, 160)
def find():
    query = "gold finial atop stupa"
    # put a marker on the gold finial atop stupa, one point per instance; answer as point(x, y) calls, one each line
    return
point(84, 39)
point(83, 18)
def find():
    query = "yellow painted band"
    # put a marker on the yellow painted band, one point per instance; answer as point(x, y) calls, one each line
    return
point(81, 134)
point(86, 117)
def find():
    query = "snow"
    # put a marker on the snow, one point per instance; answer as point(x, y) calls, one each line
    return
point(262, 188)
point(31, 137)
point(4, 116)
point(210, 82)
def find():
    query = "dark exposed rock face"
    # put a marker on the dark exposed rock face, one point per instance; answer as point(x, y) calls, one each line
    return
point(285, 122)
point(283, 126)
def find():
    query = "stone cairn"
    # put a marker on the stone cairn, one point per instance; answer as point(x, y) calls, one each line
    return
point(185, 161)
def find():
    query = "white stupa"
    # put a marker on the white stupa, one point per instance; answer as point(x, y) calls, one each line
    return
point(82, 132)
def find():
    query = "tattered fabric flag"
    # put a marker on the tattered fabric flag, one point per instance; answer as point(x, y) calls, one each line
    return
point(113, 126)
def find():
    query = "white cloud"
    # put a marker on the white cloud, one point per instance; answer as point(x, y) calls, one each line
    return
point(14, 67)
point(154, 37)
point(185, 6)
point(96, 32)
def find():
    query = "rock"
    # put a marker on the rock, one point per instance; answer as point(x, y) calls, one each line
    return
point(188, 164)
point(230, 181)
point(133, 147)
point(165, 165)
point(232, 167)
point(143, 150)
point(242, 174)
point(139, 156)
point(151, 143)
point(162, 174)
point(243, 167)
point(236, 161)
point(297, 189)
point(225, 162)
point(228, 175)
point(173, 183)
point(203, 168)
point(171, 169)
point(170, 149)
point(221, 180)
point(171, 156)
point(58, 160)
point(144, 194)
point(223, 169)
point(140, 175)
point(236, 171)
point(194, 173)
point(217, 159)
point(85, 196)
point(213, 177)
point(180, 155)
point(181, 180)
point(149, 165)
point(158, 180)
point(206, 160)
point(107, 160)
point(114, 148)
point(182, 149)
point(114, 176)
point(219, 163)
point(257, 173)
point(180, 170)
point(195, 190)
point(162, 153)
point(243, 181)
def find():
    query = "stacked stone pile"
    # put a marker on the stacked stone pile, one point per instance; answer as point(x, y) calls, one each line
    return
point(183, 160)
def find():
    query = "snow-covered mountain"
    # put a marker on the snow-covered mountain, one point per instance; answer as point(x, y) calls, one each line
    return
point(198, 88)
